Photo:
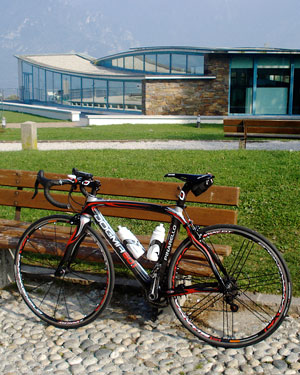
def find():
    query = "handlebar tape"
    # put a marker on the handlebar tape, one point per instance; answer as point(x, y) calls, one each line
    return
point(47, 184)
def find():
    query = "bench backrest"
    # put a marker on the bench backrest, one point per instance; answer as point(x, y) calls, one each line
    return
point(16, 189)
point(261, 126)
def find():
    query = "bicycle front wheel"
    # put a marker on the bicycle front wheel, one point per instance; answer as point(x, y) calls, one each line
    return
point(257, 294)
point(82, 291)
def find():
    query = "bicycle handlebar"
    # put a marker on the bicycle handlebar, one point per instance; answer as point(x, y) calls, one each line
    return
point(82, 179)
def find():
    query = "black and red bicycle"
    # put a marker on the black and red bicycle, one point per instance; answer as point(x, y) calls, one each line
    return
point(65, 272)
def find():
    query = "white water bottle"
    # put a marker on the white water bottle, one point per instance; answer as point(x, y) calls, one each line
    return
point(131, 243)
point(157, 238)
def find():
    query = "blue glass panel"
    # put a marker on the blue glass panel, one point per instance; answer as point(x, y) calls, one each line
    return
point(75, 92)
point(115, 92)
point(128, 60)
point(49, 85)
point(100, 93)
point(66, 89)
point(118, 63)
point(133, 96)
point(163, 63)
point(178, 63)
point(150, 63)
point(138, 62)
point(42, 84)
point(87, 92)
point(195, 64)
point(36, 85)
point(57, 87)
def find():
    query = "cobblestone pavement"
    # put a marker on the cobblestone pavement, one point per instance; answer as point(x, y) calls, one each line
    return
point(124, 340)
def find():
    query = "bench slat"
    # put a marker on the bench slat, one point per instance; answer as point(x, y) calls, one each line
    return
point(14, 229)
point(224, 195)
point(200, 215)
point(273, 128)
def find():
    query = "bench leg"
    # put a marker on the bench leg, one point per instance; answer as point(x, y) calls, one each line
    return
point(6, 267)
point(242, 143)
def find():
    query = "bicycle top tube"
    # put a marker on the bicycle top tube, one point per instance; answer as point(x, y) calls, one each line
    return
point(197, 183)
point(94, 202)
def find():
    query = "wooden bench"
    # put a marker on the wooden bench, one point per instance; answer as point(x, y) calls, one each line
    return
point(16, 190)
point(261, 128)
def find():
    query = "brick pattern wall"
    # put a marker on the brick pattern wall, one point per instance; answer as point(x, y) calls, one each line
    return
point(207, 97)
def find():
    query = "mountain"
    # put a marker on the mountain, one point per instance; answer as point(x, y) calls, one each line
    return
point(57, 26)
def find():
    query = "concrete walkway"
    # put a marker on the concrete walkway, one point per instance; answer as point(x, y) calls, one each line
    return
point(155, 145)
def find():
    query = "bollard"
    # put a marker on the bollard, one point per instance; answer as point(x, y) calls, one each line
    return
point(198, 121)
point(29, 135)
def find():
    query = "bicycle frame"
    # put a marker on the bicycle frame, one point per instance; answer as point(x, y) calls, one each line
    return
point(91, 209)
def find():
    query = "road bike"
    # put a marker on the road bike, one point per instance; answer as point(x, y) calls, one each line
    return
point(65, 272)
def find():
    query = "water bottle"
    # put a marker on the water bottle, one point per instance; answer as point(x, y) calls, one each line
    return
point(131, 243)
point(157, 238)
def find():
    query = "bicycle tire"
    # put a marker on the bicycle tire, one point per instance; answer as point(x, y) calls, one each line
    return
point(78, 296)
point(260, 295)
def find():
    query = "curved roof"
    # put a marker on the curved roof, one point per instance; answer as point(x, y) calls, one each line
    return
point(189, 49)
point(73, 63)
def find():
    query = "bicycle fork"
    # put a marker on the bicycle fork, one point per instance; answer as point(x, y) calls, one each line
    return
point(73, 243)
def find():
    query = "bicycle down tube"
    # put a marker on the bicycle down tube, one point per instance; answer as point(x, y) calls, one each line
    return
point(91, 208)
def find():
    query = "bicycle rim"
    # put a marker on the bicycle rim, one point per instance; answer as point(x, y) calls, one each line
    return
point(78, 296)
point(258, 294)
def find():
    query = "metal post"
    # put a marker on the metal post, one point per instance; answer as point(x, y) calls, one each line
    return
point(198, 121)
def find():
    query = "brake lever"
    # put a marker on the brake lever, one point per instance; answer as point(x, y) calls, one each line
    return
point(37, 182)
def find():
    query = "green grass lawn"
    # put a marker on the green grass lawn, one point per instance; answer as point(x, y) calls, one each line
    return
point(124, 132)
point(18, 117)
point(269, 182)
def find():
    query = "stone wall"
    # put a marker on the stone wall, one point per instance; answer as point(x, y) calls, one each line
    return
point(207, 97)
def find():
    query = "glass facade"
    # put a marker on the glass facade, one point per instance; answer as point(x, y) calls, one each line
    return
point(265, 85)
point(46, 86)
point(162, 63)
point(259, 83)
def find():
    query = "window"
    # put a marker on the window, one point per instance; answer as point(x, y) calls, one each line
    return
point(75, 92)
point(150, 63)
point(138, 62)
point(133, 96)
point(115, 92)
point(296, 92)
point(36, 84)
point(118, 63)
point(57, 89)
point(163, 63)
point(241, 85)
point(100, 93)
point(273, 81)
point(195, 64)
point(128, 62)
point(178, 64)
point(66, 89)
point(87, 92)
point(42, 75)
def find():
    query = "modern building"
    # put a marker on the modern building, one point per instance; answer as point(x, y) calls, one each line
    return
point(167, 81)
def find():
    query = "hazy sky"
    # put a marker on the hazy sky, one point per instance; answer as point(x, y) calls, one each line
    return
point(99, 27)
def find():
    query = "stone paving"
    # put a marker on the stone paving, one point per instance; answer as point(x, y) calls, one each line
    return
point(124, 340)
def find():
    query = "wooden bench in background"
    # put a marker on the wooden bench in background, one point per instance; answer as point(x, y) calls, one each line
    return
point(16, 190)
point(261, 128)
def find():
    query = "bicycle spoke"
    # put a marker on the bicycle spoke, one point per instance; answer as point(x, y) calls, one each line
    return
point(75, 298)
point(235, 317)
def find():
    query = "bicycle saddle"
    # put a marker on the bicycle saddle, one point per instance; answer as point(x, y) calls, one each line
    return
point(197, 183)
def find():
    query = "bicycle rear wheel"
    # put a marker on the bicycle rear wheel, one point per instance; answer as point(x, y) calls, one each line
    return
point(258, 291)
point(79, 295)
